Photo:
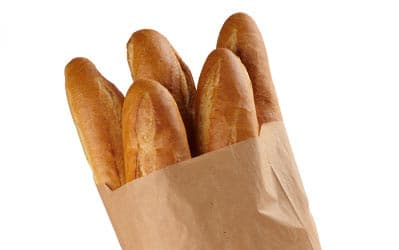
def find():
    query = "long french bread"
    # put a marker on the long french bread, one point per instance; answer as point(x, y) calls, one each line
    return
point(153, 130)
point(241, 35)
point(96, 107)
point(224, 109)
point(151, 56)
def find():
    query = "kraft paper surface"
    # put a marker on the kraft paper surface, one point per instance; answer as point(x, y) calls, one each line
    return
point(246, 196)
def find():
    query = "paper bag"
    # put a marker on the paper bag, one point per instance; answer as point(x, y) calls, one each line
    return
point(246, 196)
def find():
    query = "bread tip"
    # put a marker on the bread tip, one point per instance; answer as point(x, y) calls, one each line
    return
point(239, 15)
point(75, 64)
point(141, 34)
point(222, 53)
point(145, 84)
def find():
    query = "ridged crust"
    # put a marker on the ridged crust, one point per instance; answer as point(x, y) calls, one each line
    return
point(224, 110)
point(151, 56)
point(96, 107)
point(153, 130)
point(240, 34)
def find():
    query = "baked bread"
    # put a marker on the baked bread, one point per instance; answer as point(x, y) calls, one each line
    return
point(151, 56)
point(240, 34)
point(96, 107)
point(224, 109)
point(153, 130)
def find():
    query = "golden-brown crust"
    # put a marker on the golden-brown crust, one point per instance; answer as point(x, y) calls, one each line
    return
point(241, 35)
point(151, 56)
point(224, 109)
point(96, 108)
point(153, 130)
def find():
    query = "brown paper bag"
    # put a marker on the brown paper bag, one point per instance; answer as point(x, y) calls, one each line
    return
point(246, 196)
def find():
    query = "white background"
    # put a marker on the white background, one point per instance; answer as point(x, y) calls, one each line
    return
point(335, 67)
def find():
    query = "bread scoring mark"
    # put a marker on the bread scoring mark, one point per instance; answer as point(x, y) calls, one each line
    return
point(206, 103)
point(106, 98)
point(112, 108)
point(145, 131)
point(231, 42)
point(106, 92)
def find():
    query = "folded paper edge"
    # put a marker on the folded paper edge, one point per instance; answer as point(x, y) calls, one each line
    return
point(105, 189)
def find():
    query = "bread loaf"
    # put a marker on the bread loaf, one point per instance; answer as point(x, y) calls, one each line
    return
point(241, 35)
point(96, 107)
point(153, 130)
point(224, 109)
point(151, 56)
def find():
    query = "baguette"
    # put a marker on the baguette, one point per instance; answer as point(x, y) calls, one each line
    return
point(224, 109)
point(152, 130)
point(240, 34)
point(96, 106)
point(151, 56)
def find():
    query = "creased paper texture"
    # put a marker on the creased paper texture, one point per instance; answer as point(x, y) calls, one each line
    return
point(246, 196)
